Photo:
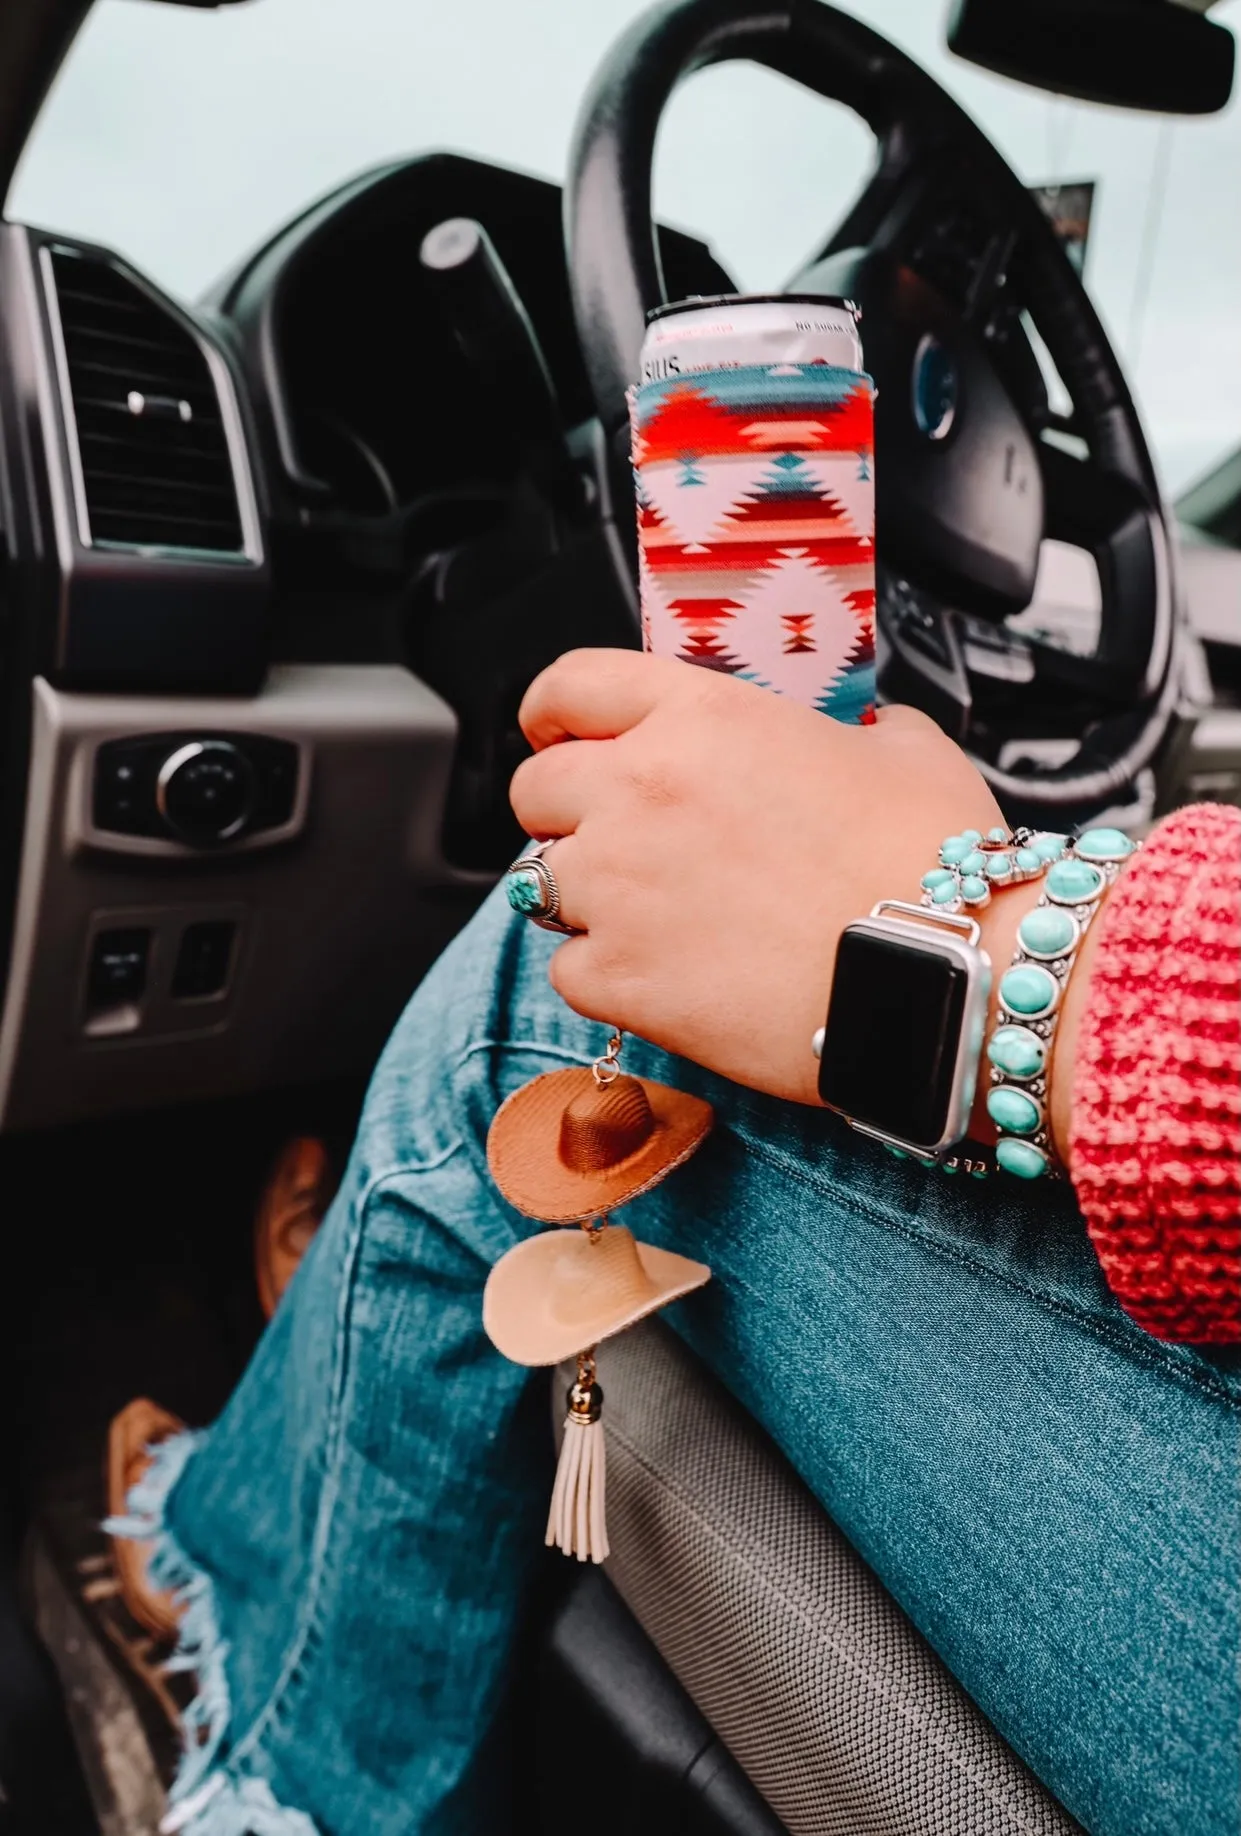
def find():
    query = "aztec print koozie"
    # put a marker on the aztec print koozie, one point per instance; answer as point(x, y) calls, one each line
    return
point(756, 527)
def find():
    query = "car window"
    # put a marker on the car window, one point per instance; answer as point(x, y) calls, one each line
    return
point(182, 136)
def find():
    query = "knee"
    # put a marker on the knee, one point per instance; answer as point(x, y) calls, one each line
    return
point(431, 1088)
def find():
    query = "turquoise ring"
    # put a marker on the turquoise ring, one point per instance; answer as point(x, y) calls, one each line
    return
point(531, 889)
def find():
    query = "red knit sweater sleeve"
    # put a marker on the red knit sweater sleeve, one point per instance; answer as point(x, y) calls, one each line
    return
point(1156, 1132)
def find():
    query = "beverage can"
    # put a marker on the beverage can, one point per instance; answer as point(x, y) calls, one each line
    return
point(753, 454)
point(724, 333)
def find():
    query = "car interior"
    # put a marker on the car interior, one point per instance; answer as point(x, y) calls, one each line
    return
point(263, 637)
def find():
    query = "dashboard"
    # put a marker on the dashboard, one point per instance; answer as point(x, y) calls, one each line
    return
point(318, 395)
point(340, 334)
point(363, 395)
point(277, 571)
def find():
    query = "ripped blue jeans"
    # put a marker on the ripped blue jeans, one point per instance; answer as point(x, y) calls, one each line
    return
point(1051, 1495)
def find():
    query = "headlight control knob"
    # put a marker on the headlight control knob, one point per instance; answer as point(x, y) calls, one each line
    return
point(205, 791)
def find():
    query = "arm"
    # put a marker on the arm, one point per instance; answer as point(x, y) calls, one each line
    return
point(1146, 1080)
point(1155, 1095)
point(716, 839)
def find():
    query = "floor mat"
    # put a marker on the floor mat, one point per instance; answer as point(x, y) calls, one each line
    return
point(117, 1700)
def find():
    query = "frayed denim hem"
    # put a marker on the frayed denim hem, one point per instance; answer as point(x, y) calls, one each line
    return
point(206, 1798)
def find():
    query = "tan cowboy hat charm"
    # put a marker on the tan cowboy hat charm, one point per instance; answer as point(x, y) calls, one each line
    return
point(567, 1149)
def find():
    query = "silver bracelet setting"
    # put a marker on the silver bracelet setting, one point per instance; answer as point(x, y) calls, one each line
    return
point(1031, 993)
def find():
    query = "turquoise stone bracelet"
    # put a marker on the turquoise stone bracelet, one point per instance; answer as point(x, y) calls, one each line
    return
point(1031, 993)
point(973, 865)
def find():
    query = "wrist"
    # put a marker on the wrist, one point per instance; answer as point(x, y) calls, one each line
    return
point(956, 891)
point(892, 869)
point(1064, 1059)
point(999, 939)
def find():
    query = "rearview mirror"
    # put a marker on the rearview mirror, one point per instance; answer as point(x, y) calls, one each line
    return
point(1152, 54)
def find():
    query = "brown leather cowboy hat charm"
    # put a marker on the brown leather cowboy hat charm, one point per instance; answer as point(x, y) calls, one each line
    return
point(567, 1149)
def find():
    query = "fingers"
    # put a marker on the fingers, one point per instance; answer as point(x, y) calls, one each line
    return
point(595, 694)
point(898, 718)
point(573, 973)
point(551, 792)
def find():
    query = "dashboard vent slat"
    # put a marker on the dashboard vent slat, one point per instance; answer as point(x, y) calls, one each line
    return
point(161, 477)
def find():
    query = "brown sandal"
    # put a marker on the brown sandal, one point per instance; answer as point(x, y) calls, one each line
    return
point(140, 1426)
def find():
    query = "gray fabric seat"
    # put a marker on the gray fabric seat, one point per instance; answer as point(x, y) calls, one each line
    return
point(811, 1675)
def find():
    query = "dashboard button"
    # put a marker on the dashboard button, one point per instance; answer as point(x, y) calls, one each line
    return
point(124, 790)
point(205, 791)
point(276, 766)
point(118, 968)
point(201, 788)
point(203, 961)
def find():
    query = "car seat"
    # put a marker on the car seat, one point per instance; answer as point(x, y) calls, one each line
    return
point(741, 1670)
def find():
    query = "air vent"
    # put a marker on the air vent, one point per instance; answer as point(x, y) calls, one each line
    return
point(156, 470)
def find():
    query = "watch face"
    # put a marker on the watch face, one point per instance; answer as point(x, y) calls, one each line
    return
point(893, 1035)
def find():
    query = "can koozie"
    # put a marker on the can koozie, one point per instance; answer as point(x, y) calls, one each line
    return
point(756, 515)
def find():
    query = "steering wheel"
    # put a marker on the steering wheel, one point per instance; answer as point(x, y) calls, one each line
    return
point(951, 260)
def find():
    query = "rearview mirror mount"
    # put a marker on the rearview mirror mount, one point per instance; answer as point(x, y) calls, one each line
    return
point(1145, 54)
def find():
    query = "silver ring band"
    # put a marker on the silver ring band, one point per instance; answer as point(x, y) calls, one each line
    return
point(533, 893)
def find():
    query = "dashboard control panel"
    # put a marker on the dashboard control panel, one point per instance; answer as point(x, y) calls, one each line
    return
point(203, 790)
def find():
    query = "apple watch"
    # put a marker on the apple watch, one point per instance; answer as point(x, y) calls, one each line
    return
point(899, 1051)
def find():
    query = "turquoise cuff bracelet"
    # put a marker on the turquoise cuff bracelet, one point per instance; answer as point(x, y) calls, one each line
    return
point(1031, 991)
point(972, 866)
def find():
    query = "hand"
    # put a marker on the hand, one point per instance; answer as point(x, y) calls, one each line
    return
point(717, 839)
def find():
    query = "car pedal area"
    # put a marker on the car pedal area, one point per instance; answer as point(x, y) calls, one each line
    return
point(122, 1705)
point(42, 1788)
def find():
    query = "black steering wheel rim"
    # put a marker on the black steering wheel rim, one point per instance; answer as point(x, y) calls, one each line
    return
point(616, 279)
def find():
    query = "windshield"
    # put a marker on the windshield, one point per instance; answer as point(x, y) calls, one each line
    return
point(182, 137)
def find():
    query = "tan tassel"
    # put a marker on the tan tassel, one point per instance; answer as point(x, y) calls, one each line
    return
point(576, 1522)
